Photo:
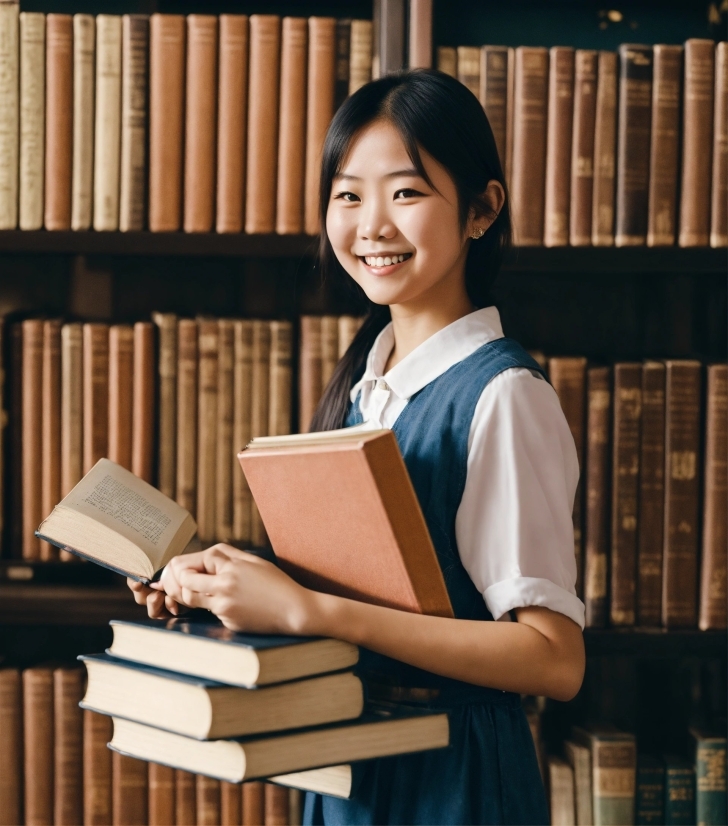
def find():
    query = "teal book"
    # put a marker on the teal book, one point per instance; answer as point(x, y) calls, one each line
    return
point(710, 777)
point(679, 791)
point(650, 798)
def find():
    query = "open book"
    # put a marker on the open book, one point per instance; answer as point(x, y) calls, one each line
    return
point(119, 521)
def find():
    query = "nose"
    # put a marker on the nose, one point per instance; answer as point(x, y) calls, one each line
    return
point(375, 223)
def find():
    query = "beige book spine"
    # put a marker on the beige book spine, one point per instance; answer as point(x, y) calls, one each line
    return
point(68, 684)
point(281, 355)
point(605, 142)
point(121, 376)
point(309, 370)
point(260, 409)
point(348, 328)
point(107, 128)
point(206, 428)
point(582, 148)
point(134, 68)
point(329, 348)
point(142, 438)
point(493, 93)
point(187, 415)
point(469, 68)
point(510, 109)
point(32, 423)
point(360, 54)
point(71, 412)
point(97, 731)
point(167, 416)
point(32, 119)
point(95, 393)
point(11, 746)
point(224, 431)
point(719, 195)
point(9, 115)
point(242, 412)
point(58, 122)
point(51, 427)
point(84, 79)
point(447, 60)
point(320, 109)
point(37, 740)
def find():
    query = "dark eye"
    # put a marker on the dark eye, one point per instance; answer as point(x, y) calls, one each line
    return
point(406, 193)
point(349, 197)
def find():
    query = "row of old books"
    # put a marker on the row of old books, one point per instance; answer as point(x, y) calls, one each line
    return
point(170, 122)
point(173, 400)
point(650, 523)
point(603, 148)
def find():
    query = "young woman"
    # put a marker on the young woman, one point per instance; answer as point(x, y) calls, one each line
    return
point(415, 213)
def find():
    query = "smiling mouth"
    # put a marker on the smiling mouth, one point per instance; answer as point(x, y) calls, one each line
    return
point(378, 261)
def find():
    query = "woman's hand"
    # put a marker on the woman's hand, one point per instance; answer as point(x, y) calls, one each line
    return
point(159, 605)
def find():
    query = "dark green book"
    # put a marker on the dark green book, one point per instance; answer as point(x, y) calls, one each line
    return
point(710, 777)
point(650, 798)
point(679, 791)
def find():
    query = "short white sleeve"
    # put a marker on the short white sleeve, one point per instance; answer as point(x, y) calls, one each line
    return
point(514, 527)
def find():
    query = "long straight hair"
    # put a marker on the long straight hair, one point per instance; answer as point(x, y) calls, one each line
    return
point(434, 112)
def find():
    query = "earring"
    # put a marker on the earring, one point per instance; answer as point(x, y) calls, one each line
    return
point(477, 233)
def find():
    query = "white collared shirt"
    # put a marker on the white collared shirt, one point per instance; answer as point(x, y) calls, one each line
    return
point(513, 527)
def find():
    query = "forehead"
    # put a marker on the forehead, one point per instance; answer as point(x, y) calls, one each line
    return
point(376, 150)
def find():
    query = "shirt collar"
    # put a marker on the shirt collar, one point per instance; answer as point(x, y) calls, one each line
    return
point(433, 357)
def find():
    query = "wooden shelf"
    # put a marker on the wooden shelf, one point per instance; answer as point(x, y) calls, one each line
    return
point(658, 643)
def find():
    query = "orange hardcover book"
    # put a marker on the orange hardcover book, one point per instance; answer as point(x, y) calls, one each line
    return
point(11, 746)
point(253, 804)
point(37, 740)
point(231, 804)
point(58, 121)
point(342, 517)
point(129, 791)
point(184, 798)
point(208, 801)
point(161, 795)
point(68, 745)
point(97, 731)
point(276, 805)
point(206, 428)
point(187, 415)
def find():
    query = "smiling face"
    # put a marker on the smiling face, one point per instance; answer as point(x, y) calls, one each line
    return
point(398, 237)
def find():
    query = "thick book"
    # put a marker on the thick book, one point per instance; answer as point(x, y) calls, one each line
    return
point(719, 194)
point(121, 379)
point(582, 147)
point(561, 791)
point(276, 805)
point(95, 393)
point(167, 403)
point(447, 60)
point(382, 733)
point(58, 121)
point(143, 401)
point(209, 650)
point(343, 517)
point(360, 54)
point(84, 79)
point(51, 425)
point(679, 791)
point(605, 148)
point(32, 427)
point(37, 734)
point(68, 746)
point(9, 107)
point(469, 68)
point(186, 459)
point(710, 776)
point(207, 428)
point(633, 144)
point(128, 790)
point(335, 781)
point(160, 794)
point(493, 93)
point(310, 370)
point(119, 521)
point(579, 759)
point(32, 120)
point(650, 791)
point(224, 451)
point(97, 731)
point(11, 746)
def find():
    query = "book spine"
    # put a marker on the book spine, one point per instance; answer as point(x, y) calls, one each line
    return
point(614, 770)
point(633, 144)
point(343, 47)
point(84, 79)
point(348, 328)
point(253, 804)
point(142, 439)
point(32, 426)
point(231, 122)
point(51, 427)
point(242, 412)
point(262, 143)
point(231, 804)
point(664, 146)
point(15, 439)
point(697, 143)
point(276, 805)
point(186, 495)
point(360, 57)
point(121, 383)
point(68, 685)
point(320, 109)
point(71, 407)
point(650, 794)
point(710, 781)
point(260, 409)
point(134, 80)
point(529, 144)
point(37, 737)
point(225, 450)
point(420, 34)
point(719, 204)
point(11, 746)
point(200, 121)
point(310, 370)
point(281, 369)
point(10, 114)
point(107, 129)
point(161, 795)
point(95, 393)
point(206, 428)
point(329, 348)
point(605, 126)
point(32, 120)
point(682, 478)
point(582, 148)
point(679, 793)
point(167, 416)
point(558, 146)
point(295, 807)
point(469, 68)
point(58, 121)
point(510, 114)
point(166, 120)
point(208, 801)
point(625, 487)
point(651, 506)
point(493, 93)
point(714, 561)
point(129, 791)
point(292, 119)
point(596, 522)
point(185, 803)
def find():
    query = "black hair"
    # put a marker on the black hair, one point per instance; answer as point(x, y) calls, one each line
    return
point(434, 112)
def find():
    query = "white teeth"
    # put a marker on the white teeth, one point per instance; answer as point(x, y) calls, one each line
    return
point(387, 261)
point(383, 261)
point(379, 262)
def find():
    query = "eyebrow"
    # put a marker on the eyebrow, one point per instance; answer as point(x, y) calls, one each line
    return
point(398, 173)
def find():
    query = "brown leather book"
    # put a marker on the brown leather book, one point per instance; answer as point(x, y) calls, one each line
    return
point(186, 484)
point(224, 431)
point(71, 408)
point(161, 795)
point(625, 492)
point(11, 747)
point(37, 739)
point(121, 383)
point(469, 68)
point(208, 801)
point(51, 426)
point(329, 348)
point(185, 802)
point(200, 122)
point(142, 439)
point(374, 548)
point(596, 515)
point(320, 109)
point(343, 46)
point(281, 371)
point(715, 539)
point(260, 409)
point(605, 144)
point(32, 116)
point(447, 60)
point(84, 78)
point(231, 122)
point(134, 93)
point(348, 328)
point(253, 804)
point(242, 412)
point(95, 393)
point(633, 144)
point(568, 377)
point(493, 93)
point(97, 731)
point(651, 505)
point(582, 147)
point(295, 806)
point(558, 146)
point(129, 796)
point(166, 120)
point(276, 805)
point(664, 141)
point(697, 136)
point(360, 60)
point(58, 121)
point(207, 428)
point(68, 687)
point(167, 412)
point(231, 804)
point(262, 143)
point(528, 176)
point(15, 439)
point(719, 203)
point(510, 114)
point(420, 34)
point(292, 126)
point(682, 482)
point(32, 429)
point(310, 370)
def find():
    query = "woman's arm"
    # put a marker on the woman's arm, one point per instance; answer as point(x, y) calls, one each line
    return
point(542, 653)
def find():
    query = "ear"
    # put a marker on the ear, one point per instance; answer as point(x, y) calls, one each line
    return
point(492, 201)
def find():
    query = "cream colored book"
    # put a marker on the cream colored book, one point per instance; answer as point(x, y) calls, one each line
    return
point(9, 115)
point(224, 432)
point(134, 73)
point(242, 411)
point(84, 56)
point(32, 119)
point(107, 130)
point(360, 54)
